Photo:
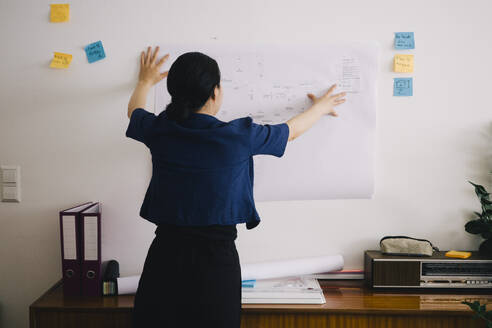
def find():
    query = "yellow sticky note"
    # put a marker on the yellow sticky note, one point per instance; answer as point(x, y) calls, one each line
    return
point(61, 60)
point(403, 63)
point(59, 13)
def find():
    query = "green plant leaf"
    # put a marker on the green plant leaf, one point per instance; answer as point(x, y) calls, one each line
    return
point(486, 205)
point(480, 191)
point(486, 247)
point(480, 312)
point(478, 214)
point(475, 306)
point(476, 226)
point(485, 201)
point(485, 196)
point(487, 234)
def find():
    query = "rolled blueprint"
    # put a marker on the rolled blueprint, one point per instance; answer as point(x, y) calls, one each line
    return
point(293, 267)
point(127, 285)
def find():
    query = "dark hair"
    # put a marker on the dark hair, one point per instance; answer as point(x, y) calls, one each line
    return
point(191, 80)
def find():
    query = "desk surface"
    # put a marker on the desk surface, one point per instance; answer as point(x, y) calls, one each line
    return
point(341, 297)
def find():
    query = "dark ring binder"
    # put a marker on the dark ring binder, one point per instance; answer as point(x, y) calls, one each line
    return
point(70, 238)
point(90, 223)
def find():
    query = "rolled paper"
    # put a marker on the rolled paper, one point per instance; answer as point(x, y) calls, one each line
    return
point(263, 270)
point(293, 267)
point(127, 285)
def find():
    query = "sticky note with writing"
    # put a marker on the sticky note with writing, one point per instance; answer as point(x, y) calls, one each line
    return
point(61, 60)
point(403, 63)
point(59, 13)
point(404, 40)
point(403, 86)
point(95, 51)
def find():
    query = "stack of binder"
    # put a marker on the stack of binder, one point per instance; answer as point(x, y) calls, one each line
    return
point(80, 235)
point(291, 290)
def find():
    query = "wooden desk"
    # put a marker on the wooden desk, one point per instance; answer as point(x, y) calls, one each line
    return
point(348, 304)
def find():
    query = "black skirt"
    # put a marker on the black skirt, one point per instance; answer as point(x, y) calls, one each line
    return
point(191, 278)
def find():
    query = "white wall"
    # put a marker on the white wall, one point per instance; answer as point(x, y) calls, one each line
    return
point(66, 128)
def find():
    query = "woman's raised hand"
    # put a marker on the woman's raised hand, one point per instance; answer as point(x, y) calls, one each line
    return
point(328, 101)
point(150, 69)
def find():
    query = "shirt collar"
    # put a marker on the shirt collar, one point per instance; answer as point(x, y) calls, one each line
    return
point(199, 120)
point(203, 116)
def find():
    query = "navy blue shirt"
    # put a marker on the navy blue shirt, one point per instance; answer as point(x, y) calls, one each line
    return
point(202, 168)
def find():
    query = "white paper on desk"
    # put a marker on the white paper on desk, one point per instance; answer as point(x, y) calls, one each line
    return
point(128, 285)
point(299, 284)
point(294, 267)
point(293, 290)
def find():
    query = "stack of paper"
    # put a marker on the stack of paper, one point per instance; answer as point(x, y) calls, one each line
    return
point(291, 290)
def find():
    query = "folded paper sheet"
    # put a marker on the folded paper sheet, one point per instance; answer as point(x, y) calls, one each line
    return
point(263, 270)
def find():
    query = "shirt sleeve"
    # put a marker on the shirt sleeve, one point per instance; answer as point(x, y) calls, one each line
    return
point(269, 139)
point(140, 123)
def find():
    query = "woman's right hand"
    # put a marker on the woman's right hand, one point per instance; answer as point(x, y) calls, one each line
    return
point(327, 102)
point(150, 68)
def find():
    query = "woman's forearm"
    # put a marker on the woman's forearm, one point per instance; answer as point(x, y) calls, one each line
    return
point(139, 97)
point(304, 121)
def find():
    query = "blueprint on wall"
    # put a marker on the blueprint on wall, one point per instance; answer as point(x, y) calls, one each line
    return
point(332, 160)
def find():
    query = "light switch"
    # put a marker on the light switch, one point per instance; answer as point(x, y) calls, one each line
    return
point(10, 183)
point(10, 194)
point(10, 174)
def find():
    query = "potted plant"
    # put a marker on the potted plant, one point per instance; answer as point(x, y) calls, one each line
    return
point(482, 223)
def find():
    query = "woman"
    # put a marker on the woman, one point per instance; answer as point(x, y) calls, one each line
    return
point(201, 187)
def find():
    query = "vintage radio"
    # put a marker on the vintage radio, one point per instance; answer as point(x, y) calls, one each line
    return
point(437, 271)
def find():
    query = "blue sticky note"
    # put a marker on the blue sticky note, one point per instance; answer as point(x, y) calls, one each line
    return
point(94, 51)
point(404, 40)
point(403, 86)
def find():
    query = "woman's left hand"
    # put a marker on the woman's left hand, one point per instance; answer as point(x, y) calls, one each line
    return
point(150, 70)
